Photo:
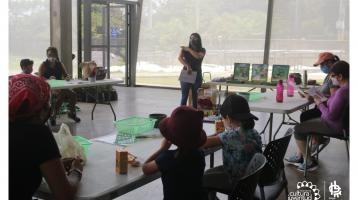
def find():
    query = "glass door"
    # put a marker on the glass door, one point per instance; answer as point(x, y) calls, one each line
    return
point(118, 41)
point(104, 36)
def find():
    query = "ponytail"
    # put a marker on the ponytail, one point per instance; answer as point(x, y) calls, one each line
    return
point(336, 58)
point(333, 60)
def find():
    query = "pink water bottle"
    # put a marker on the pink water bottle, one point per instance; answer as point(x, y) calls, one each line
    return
point(290, 86)
point(279, 92)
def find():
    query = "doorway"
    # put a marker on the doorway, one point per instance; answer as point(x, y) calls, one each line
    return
point(104, 36)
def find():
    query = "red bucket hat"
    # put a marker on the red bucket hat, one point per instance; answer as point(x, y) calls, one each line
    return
point(324, 57)
point(184, 128)
point(28, 94)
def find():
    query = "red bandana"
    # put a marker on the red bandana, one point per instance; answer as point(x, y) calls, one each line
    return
point(28, 94)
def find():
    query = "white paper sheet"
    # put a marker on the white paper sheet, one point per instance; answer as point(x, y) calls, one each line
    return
point(187, 78)
point(315, 91)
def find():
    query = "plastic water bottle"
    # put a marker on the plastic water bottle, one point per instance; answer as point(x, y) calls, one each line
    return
point(290, 86)
point(279, 91)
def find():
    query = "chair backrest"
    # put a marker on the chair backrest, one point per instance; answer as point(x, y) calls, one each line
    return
point(346, 119)
point(245, 187)
point(274, 153)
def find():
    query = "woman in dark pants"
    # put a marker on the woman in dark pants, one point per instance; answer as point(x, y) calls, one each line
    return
point(191, 57)
point(325, 61)
point(331, 120)
point(53, 68)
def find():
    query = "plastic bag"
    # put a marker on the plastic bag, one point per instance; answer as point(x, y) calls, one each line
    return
point(68, 147)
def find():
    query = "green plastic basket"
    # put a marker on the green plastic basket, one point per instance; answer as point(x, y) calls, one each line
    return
point(83, 142)
point(251, 96)
point(134, 125)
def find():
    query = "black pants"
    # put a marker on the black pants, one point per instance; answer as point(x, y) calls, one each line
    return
point(305, 116)
point(310, 114)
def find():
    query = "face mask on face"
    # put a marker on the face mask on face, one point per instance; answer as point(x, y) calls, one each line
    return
point(334, 81)
point(325, 69)
point(51, 59)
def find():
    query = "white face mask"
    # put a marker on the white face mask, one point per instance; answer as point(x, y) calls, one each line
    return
point(51, 59)
point(334, 81)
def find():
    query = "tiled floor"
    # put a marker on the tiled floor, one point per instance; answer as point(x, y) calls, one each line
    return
point(333, 164)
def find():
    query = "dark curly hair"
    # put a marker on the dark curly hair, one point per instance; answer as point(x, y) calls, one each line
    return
point(341, 67)
point(53, 49)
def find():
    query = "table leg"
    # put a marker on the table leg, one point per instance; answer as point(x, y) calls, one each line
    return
point(290, 118)
point(219, 94)
point(211, 160)
point(114, 114)
point(95, 104)
point(271, 122)
point(283, 121)
point(263, 131)
point(104, 102)
point(251, 89)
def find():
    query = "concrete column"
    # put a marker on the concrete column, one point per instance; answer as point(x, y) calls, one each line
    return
point(87, 24)
point(61, 30)
point(135, 13)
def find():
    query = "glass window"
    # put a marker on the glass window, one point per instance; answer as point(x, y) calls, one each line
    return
point(301, 29)
point(231, 31)
point(29, 32)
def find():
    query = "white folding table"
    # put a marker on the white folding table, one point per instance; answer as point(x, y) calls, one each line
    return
point(268, 104)
point(100, 180)
point(62, 84)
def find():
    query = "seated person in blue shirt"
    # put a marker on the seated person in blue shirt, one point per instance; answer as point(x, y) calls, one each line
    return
point(26, 66)
point(182, 169)
point(239, 144)
point(53, 68)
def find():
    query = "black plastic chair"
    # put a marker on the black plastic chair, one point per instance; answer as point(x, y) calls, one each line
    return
point(244, 188)
point(273, 180)
point(341, 136)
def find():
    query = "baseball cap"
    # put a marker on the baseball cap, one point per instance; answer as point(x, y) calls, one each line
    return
point(324, 57)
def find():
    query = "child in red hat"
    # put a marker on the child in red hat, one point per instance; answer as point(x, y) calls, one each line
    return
point(182, 169)
point(239, 144)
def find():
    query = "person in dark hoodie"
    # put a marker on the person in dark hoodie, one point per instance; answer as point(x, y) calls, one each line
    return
point(182, 169)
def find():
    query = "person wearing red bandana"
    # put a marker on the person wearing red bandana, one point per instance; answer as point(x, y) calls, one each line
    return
point(33, 152)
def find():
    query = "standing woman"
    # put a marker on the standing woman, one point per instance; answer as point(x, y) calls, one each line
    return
point(191, 57)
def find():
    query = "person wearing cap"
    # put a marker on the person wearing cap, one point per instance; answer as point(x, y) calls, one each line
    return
point(53, 68)
point(240, 141)
point(33, 152)
point(331, 121)
point(181, 169)
point(325, 61)
point(26, 66)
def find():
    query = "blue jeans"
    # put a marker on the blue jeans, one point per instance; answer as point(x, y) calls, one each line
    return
point(185, 87)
